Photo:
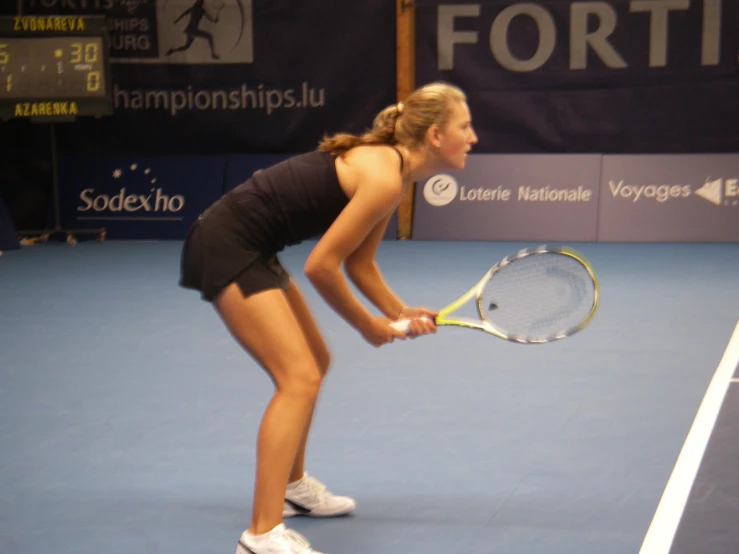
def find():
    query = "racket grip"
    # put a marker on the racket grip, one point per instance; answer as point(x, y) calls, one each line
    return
point(401, 325)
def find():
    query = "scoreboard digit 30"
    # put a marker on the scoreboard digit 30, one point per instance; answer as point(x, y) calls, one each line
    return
point(54, 67)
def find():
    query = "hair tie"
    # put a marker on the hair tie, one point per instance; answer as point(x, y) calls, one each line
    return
point(400, 108)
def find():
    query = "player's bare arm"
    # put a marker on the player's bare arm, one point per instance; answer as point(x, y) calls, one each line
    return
point(373, 201)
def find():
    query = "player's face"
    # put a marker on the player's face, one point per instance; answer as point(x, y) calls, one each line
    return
point(457, 137)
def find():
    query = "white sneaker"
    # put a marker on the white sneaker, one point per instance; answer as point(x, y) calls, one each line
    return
point(278, 541)
point(310, 498)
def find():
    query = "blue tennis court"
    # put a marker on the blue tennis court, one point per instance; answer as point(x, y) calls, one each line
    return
point(128, 416)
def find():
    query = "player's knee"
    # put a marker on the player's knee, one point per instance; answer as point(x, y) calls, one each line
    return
point(304, 381)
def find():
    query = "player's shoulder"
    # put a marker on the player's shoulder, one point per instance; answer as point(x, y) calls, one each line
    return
point(375, 163)
point(386, 155)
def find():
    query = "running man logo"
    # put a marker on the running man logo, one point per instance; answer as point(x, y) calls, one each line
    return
point(440, 190)
point(182, 31)
point(720, 191)
point(205, 31)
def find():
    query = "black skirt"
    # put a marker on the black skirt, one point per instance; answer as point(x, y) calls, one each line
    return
point(216, 253)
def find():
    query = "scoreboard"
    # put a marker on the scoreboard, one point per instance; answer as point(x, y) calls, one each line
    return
point(54, 66)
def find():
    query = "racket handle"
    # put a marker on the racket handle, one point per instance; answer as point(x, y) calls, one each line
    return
point(401, 325)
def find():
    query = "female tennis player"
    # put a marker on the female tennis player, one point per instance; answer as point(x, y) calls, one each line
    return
point(343, 192)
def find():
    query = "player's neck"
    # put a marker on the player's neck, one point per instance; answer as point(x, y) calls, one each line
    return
point(419, 164)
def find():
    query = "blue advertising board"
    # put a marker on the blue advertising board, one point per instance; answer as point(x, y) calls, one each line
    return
point(138, 197)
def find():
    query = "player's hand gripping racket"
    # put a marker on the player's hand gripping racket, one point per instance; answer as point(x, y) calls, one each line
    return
point(537, 295)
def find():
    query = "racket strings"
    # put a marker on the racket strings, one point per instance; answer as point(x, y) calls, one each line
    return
point(538, 297)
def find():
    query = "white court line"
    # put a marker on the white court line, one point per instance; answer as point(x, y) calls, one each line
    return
point(661, 532)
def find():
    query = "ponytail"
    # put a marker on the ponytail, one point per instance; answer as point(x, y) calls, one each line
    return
point(382, 132)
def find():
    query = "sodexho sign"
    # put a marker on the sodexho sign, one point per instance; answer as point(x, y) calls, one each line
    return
point(124, 201)
point(511, 197)
point(149, 198)
point(154, 202)
point(670, 198)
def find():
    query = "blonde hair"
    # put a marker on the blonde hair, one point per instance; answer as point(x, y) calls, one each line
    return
point(403, 123)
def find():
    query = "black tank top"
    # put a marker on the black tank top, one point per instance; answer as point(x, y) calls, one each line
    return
point(292, 201)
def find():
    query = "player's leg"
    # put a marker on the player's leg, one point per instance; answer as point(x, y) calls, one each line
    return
point(306, 495)
point(320, 353)
point(265, 325)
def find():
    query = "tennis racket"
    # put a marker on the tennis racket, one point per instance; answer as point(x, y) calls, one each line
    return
point(537, 295)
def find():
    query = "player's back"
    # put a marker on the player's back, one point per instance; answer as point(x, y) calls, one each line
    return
point(296, 199)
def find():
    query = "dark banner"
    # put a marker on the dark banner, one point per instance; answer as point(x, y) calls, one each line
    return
point(138, 197)
point(608, 76)
point(231, 76)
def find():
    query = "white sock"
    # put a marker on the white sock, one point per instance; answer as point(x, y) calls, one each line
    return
point(294, 484)
point(258, 540)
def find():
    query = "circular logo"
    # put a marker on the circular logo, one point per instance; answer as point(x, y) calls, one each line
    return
point(440, 190)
